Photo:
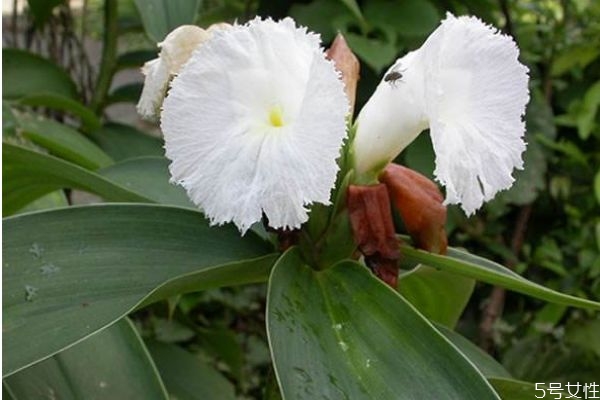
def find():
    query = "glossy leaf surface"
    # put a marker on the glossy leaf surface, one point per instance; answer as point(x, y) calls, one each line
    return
point(342, 333)
point(71, 272)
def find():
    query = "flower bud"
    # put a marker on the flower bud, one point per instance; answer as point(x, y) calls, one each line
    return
point(420, 204)
point(347, 64)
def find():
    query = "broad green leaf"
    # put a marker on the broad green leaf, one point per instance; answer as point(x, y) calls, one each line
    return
point(187, 377)
point(162, 16)
point(63, 141)
point(321, 16)
point(123, 141)
point(9, 121)
point(53, 101)
point(438, 295)
point(129, 93)
point(24, 73)
point(342, 333)
point(112, 364)
point(472, 266)
point(408, 17)
point(377, 53)
point(482, 360)
point(510, 389)
point(352, 5)
point(578, 55)
point(28, 175)
point(90, 266)
point(135, 59)
point(148, 176)
point(49, 201)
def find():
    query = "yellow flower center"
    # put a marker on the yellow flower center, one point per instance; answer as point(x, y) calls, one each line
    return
point(276, 116)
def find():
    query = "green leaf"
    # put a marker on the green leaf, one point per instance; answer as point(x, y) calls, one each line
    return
point(28, 175)
point(438, 295)
point(409, 17)
point(56, 199)
point(135, 59)
point(89, 266)
point(124, 141)
point(112, 364)
point(89, 121)
point(488, 366)
point(162, 16)
point(321, 16)
point(578, 55)
point(472, 266)
point(24, 73)
point(377, 52)
point(342, 333)
point(63, 141)
point(187, 377)
point(148, 176)
point(129, 93)
point(511, 389)
point(352, 5)
point(9, 121)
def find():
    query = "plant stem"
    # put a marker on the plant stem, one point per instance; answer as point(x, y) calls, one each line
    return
point(109, 56)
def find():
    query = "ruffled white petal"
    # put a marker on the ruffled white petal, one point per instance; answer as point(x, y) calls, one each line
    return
point(155, 87)
point(176, 49)
point(476, 95)
point(253, 124)
point(473, 93)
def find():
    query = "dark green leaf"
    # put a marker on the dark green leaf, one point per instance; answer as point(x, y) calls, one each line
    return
point(482, 360)
point(49, 201)
point(408, 17)
point(53, 101)
point(124, 141)
point(129, 93)
point(135, 59)
point(112, 364)
point(9, 121)
point(342, 333)
point(319, 16)
point(187, 377)
point(510, 389)
point(24, 74)
point(162, 16)
point(28, 175)
point(148, 176)
point(91, 265)
point(438, 295)
point(469, 265)
point(63, 141)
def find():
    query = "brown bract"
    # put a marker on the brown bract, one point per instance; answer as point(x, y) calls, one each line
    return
point(420, 204)
point(373, 228)
point(347, 63)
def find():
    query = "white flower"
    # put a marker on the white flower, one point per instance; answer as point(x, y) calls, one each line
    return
point(176, 49)
point(467, 86)
point(254, 122)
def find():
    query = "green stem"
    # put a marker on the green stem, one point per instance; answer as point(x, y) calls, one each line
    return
point(109, 56)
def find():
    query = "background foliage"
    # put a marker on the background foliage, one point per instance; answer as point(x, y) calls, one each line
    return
point(56, 123)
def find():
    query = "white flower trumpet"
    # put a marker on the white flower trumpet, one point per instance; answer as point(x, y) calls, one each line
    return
point(253, 123)
point(467, 86)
